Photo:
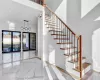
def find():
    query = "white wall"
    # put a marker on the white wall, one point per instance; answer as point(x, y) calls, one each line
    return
point(30, 4)
point(96, 50)
point(47, 46)
point(85, 26)
point(5, 26)
point(53, 4)
point(40, 38)
point(87, 6)
point(61, 11)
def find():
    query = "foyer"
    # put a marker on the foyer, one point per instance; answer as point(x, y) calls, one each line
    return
point(49, 40)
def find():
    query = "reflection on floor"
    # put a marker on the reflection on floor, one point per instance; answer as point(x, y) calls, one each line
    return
point(10, 57)
point(94, 76)
point(25, 70)
point(31, 69)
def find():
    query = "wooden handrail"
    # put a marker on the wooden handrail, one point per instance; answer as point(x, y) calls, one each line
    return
point(59, 19)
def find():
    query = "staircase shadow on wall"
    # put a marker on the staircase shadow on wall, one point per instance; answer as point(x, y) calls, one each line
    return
point(84, 26)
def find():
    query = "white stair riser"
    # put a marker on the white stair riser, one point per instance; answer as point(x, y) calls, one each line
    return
point(65, 45)
point(86, 70)
point(63, 41)
point(69, 65)
point(50, 22)
point(72, 65)
point(70, 57)
point(72, 71)
point(58, 36)
point(70, 50)
point(55, 32)
point(49, 19)
point(76, 73)
point(53, 27)
point(57, 29)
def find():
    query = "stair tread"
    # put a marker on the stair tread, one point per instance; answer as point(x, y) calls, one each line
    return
point(75, 60)
point(47, 16)
point(59, 34)
point(67, 48)
point(65, 43)
point(49, 19)
point(52, 22)
point(84, 66)
point(53, 27)
point(54, 31)
point(62, 38)
point(72, 53)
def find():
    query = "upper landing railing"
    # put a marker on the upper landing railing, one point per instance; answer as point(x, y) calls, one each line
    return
point(41, 2)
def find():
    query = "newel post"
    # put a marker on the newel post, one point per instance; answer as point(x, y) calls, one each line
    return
point(80, 42)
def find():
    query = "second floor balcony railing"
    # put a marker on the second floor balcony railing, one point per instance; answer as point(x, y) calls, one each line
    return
point(41, 2)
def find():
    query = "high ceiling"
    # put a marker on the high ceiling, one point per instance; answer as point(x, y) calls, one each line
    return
point(15, 12)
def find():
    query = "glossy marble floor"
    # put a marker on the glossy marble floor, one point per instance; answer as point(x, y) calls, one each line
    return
point(94, 76)
point(25, 70)
point(30, 69)
point(10, 57)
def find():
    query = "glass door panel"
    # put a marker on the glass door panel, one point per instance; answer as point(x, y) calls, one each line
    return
point(6, 42)
point(25, 41)
point(32, 41)
point(16, 41)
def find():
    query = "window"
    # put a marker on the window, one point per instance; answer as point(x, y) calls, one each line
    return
point(11, 41)
point(29, 41)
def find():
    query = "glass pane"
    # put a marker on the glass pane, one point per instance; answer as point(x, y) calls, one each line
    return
point(16, 41)
point(25, 41)
point(33, 41)
point(6, 41)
